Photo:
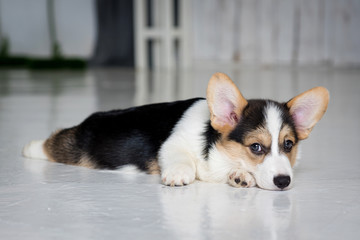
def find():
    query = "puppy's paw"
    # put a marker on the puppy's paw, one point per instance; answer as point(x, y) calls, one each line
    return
point(241, 178)
point(178, 175)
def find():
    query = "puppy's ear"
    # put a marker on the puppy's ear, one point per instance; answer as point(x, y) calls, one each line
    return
point(307, 109)
point(225, 102)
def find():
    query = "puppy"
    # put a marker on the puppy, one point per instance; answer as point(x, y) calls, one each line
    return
point(223, 138)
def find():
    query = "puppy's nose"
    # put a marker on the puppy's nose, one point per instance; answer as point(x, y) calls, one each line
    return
point(282, 181)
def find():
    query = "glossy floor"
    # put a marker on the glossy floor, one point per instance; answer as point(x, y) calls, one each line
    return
point(44, 200)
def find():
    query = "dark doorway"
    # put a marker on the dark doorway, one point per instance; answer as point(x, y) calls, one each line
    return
point(115, 36)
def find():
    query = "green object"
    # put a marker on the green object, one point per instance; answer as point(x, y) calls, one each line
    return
point(42, 63)
point(56, 63)
point(4, 47)
point(56, 51)
point(17, 62)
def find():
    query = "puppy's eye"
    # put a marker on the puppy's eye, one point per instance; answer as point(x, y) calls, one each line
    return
point(288, 144)
point(256, 148)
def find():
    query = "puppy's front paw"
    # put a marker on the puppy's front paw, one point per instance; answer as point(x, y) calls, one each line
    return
point(241, 178)
point(178, 175)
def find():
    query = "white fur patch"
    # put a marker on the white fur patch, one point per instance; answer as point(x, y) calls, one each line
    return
point(129, 172)
point(34, 149)
point(181, 158)
point(182, 151)
point(273, 125)
point(128, 169)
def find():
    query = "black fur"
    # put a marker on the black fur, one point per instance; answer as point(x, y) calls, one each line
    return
point(253, 117)
point(211, 136)
point(133, 135)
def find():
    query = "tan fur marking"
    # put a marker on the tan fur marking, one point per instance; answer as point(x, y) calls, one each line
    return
point(48, 146)
point(58, 146)
point(153, 167)
point(287, 134)
point(260, 135)
point(85, 161)
point(292, 155)
point(61, 147)
point(237, 151)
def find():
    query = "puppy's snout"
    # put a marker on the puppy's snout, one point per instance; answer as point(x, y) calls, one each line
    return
point(282, 181)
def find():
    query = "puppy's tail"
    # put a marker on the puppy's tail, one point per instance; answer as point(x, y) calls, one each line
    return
point(35, 149)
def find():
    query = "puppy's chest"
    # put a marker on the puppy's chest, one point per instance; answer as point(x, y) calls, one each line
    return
point(188, 134)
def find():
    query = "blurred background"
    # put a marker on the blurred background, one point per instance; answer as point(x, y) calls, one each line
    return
point(187, 33)
point(105, 54)
point(116, 54)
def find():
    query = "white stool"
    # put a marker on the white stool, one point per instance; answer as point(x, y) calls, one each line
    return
point(170, 43)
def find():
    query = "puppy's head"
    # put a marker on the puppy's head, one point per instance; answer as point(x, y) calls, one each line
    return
point(262, 136)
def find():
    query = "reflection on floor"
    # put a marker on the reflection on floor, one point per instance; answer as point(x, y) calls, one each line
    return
point(44, 200)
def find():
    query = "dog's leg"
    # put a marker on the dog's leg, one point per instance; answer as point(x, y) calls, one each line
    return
point(241, 178)
point(178, 170)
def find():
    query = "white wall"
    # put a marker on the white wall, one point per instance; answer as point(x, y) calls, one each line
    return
point(245, 31)
point(277, 31)
point(24, 22)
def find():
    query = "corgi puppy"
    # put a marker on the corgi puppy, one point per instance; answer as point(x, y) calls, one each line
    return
point(223, 138)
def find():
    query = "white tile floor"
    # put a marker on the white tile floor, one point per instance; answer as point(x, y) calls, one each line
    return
point(43, 200)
